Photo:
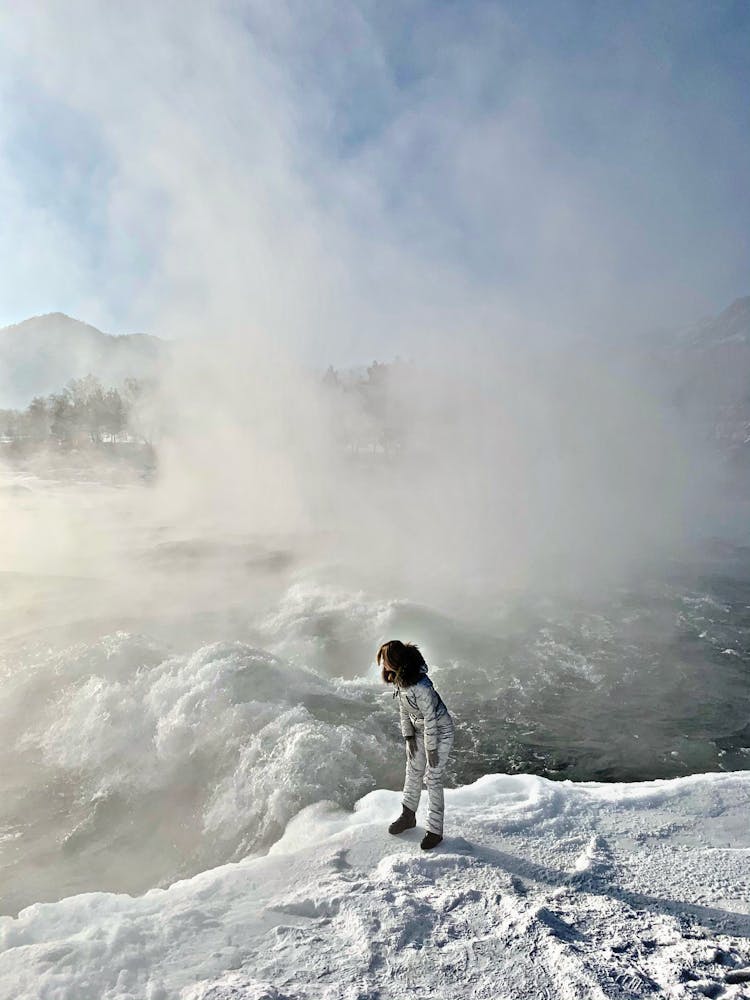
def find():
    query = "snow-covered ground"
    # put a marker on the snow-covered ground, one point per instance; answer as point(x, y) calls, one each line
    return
point(540, 889)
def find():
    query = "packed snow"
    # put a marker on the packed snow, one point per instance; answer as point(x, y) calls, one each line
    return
point(541, 889)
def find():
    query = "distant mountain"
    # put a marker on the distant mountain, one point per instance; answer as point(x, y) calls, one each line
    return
point(41, 354)
point(713, 358)
point(731, 327)
point(707, 366)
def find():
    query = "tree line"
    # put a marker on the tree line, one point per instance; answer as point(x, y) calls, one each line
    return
point(370, 411)
point(84, 413)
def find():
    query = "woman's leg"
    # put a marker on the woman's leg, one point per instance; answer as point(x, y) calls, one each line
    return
point(435, 784)
point(414, 775)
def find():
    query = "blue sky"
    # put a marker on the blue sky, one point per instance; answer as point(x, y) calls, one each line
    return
point(359, 178)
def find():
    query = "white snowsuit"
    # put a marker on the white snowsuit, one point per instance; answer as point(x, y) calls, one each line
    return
point(424, 715)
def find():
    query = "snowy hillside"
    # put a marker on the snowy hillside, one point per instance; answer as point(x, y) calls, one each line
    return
point(732, 326)
point(709, 371)
point(41, 354)
point(564, 891)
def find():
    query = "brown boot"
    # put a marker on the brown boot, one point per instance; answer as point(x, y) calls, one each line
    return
point(406, 821)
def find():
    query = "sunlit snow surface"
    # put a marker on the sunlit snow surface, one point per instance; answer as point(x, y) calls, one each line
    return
point(541, 889)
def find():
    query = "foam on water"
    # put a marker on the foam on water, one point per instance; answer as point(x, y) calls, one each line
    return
point(129, 763)
point(226, 742)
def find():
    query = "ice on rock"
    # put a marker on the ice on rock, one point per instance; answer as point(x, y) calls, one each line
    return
point(291, 761)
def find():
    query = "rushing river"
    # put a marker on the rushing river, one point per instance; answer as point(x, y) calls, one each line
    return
point(174, 701)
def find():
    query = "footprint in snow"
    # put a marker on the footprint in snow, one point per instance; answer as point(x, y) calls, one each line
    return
point(339, 860)
point(594, 861)
point(557, 926)
point(518, 886)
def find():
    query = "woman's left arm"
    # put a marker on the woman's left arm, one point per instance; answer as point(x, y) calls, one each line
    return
point(426, 704)
point(407, 726)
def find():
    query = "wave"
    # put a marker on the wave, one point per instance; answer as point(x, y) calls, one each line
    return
point(129, 762)
point(133, 747)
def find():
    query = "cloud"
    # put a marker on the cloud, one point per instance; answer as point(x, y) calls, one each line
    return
point(357, 178)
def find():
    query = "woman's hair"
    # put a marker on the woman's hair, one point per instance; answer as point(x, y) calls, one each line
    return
point(401, 662)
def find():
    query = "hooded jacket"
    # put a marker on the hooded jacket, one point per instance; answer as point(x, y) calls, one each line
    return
point(420, 705)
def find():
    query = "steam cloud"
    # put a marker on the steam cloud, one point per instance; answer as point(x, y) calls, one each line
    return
point(282, 186)
point(279, 226)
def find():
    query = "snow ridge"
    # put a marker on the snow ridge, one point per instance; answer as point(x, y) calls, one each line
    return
point(607, 891)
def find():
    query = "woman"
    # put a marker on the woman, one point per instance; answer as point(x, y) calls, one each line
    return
point(427, 727)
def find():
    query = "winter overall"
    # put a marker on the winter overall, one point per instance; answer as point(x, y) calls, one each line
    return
point(424, 715)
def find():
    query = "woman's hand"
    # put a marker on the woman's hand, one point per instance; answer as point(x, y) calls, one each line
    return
point(411, 747)
point(432, 758)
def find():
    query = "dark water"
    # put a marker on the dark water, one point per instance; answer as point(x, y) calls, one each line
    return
point(647, 682)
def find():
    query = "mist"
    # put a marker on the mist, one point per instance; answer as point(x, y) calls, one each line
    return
point(274, 189)
point(272, 241)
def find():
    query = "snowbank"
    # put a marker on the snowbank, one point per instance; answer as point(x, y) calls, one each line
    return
point(540, 889)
